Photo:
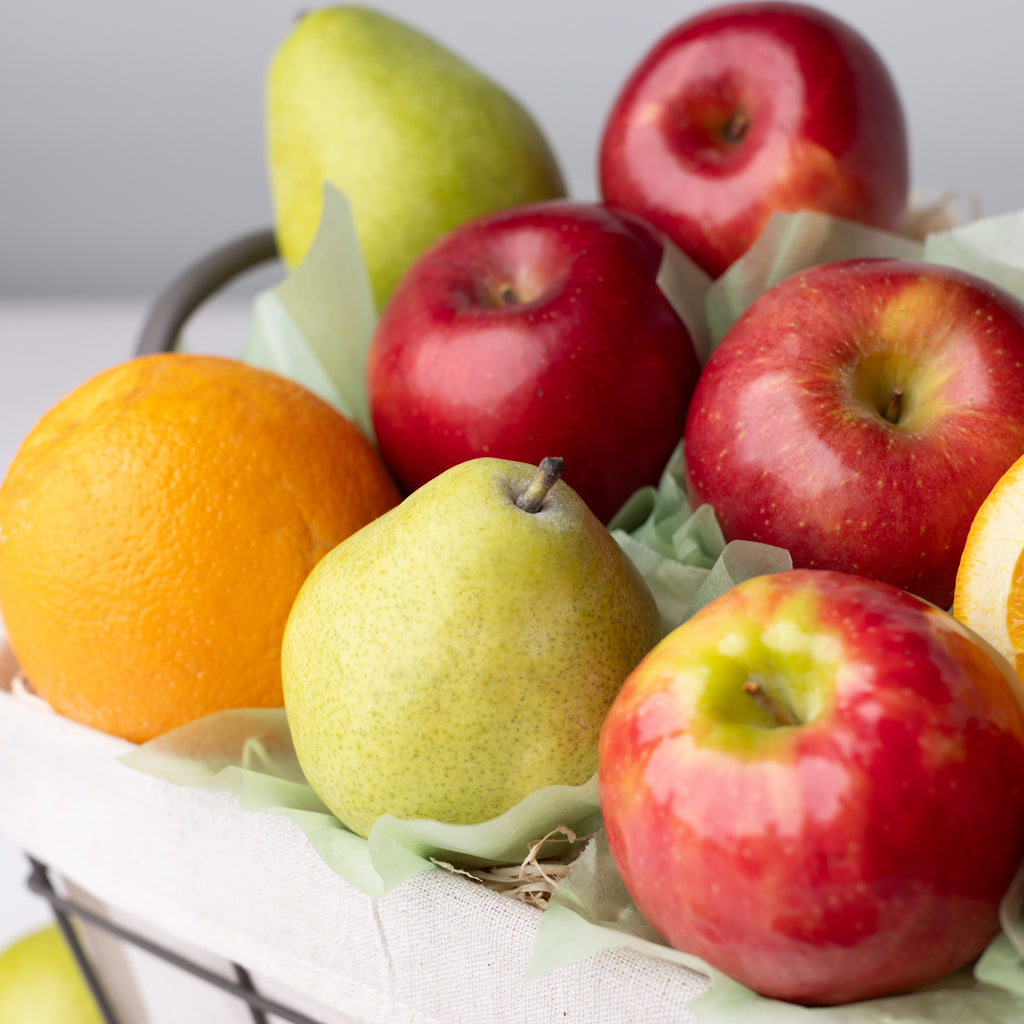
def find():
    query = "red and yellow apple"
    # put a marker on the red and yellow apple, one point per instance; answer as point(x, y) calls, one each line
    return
point(816, 784)
point(857, 414)
point(538, 330)
point(747, 109)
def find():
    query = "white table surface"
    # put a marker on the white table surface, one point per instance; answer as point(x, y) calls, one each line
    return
point(47, 350)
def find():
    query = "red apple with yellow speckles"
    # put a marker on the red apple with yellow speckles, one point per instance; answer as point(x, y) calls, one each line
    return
point(816, 784)
point(858, 413)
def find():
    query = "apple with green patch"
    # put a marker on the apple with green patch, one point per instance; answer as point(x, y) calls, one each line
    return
point(816, 784)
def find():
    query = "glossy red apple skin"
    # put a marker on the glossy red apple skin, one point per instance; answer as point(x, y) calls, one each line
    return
point(539, 330)
point(787, 439)
point(861, 852)
point(819, 123)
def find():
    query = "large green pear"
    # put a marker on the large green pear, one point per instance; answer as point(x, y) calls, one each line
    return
point(462, 650)
point(40, 983)
point(416, 138)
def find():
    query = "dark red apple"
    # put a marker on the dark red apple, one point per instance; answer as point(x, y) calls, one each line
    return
point(538, 330)
point(751, 108)
point(858, 413)
point(816, 784)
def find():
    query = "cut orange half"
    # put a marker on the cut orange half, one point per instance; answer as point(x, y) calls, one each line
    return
point(989, 595)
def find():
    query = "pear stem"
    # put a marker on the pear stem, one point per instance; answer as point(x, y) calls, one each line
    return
point(548, 473)
point(755, 690)
point(892, 410)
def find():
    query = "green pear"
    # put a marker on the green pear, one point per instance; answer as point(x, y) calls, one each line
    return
point(417, 139)
point(462, 650)
point(40, 983)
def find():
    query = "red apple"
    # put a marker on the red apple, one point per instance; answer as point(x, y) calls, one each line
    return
point(537, 330)
point(751, 108)
point(858, 414)
point(816, 784)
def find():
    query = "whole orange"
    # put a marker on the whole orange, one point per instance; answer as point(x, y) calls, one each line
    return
point(155, 527)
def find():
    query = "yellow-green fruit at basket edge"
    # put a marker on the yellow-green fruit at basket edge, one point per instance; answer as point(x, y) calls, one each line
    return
point(462, 651)
point(40, 983)
point(417, 139)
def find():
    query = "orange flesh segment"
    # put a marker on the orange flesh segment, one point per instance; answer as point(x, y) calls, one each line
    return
point(1015, 614)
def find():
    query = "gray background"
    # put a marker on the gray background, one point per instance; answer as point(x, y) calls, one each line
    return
point(131, 134)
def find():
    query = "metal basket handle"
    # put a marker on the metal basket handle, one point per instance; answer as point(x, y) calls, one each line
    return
point(196, 284)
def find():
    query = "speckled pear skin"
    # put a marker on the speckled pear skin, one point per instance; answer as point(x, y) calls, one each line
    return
point(417, 139)
point(458, 652)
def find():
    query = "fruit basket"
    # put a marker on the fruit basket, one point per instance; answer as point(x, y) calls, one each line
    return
point(190, 906)
point(212, 883)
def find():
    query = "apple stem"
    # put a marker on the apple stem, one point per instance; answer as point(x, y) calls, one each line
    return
point(548, 473)
point(736, 127)
point(755, 690)
point(892, 410)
